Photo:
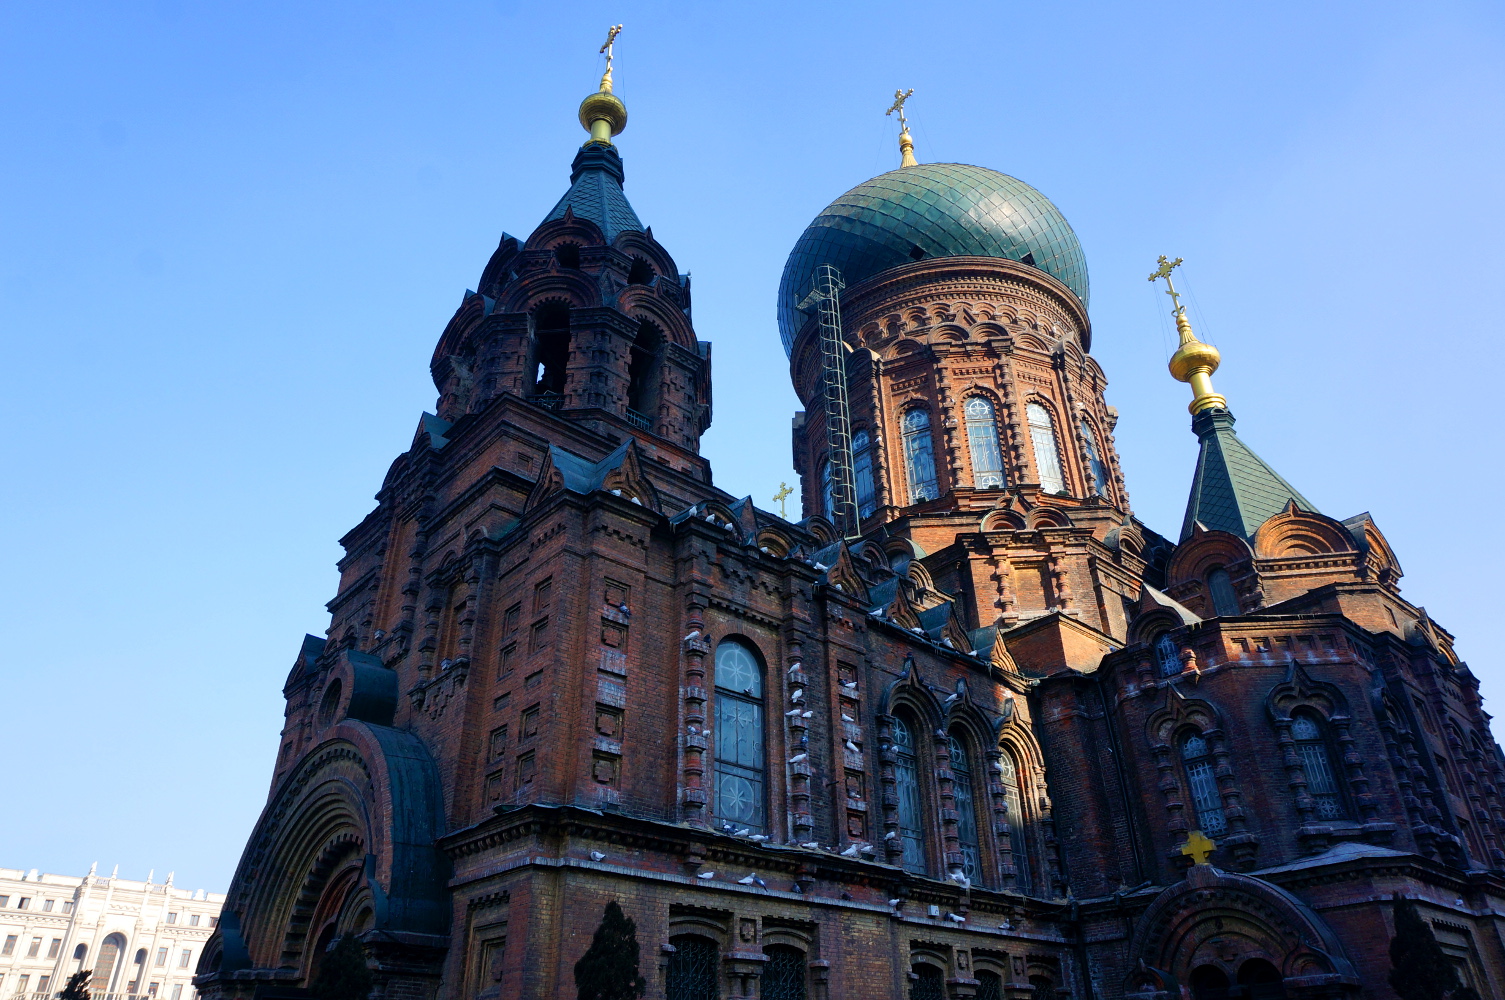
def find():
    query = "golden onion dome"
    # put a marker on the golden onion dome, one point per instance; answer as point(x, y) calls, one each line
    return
point(603, 106)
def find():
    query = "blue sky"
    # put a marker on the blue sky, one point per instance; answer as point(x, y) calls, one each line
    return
point(233, 232)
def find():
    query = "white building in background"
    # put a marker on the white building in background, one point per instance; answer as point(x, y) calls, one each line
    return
point(138, 938)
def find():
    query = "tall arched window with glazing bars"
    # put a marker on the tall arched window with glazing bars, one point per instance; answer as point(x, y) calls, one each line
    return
point(919, 456)
point(1095, 465)
point(982, 442)
point(1205, 799)
point(1317, 765)
point(1042, 436)
point(740, 765)
point(862, 473)
point(827, 492)
point(907, 790)
point(1013, 797)
point(966, 807)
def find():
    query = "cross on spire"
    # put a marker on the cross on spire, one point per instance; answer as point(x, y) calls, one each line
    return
point(781, 496)
point(611, 36)
point(1164, 271)
point(900, 96)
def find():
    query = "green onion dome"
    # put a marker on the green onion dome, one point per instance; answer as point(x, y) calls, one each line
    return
point(925, 211)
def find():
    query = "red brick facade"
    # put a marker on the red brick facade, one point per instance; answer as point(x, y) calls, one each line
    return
point(959, 753)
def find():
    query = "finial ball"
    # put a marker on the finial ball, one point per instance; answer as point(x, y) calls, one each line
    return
point(602, 106)
point(1193, 357)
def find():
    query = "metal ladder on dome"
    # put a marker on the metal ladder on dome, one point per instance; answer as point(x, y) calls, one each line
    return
point(825, 292)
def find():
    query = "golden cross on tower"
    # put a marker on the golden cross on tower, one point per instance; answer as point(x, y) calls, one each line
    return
point(780, 496)
point(1164, 271)
point(611, 36)
point(1197, 846)
point(906, 144)
point(900, 96)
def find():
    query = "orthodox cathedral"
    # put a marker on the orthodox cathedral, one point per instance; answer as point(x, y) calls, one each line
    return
point(969, 729)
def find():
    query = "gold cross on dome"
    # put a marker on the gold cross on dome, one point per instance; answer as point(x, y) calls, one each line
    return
point(1164, 271)
point(611, 36)
point(900, 96)
point(1197, 846)
point(781, 496)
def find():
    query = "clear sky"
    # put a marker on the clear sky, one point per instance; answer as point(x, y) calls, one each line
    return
point(232, 233)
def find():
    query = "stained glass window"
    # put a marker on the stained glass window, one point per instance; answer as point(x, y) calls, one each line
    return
point(1224, 600)
point(783, 974)
point(982, 441)
point(1095, 464)
point(907, 785)
point(919, 456)
point(1204, 786)
point(739, 737)
point(1167, 655)
point(1042, 433)
point(1321, 782)
point(692, 973)
point(927, 984)
point(1013, 797)
point(966, 810)
point(862, 459)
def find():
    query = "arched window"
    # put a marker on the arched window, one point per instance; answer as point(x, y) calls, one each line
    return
point(989, 985)
point(1167, 655)
point(1095, 465)
point(1224, 600)
point(693, 972)
point(1042, 434)
point(982, 441)
point(919, 456)
point(739, 736)
point(551, 348)
point(907, 786)
point(1317, 765)
point(80, 953)
point(827, 491)
point(104, 965)
point(1013, 797)
point(1204, 785)
point(862, 469)
point(783, 974)
point(926, 983)
point(966, 808)
point(643, 372)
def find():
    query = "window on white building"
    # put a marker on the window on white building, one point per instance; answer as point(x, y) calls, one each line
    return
point(183, 959)
point(172, 918)
point(23, 903)
point(36, 946)
point(177, 991)
point(43, 983)
point(46, 906)
point(10, 945)
point(54, 947)
point(151, 990)
point(161, 956)
point(193, 920)
point(22, 983)
point(214, 921)
point(4, 901)
point(67, 906)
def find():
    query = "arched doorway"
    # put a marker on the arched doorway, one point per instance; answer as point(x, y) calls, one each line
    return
point(1208, 982)
point(1261, 980)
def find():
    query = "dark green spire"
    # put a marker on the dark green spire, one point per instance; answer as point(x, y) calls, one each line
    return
point(596, 192)
point(1234, 489)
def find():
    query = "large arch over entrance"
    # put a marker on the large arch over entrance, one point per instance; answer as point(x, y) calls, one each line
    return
point(1218, 930)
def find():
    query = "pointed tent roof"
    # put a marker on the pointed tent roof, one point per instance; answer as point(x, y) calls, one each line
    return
point(596, 192)
point(1234, 490)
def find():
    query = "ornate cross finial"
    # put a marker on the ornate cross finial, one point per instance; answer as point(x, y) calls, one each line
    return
point(900, 96)
point(906, 144)
point(1197, 846)
point(611, 36)
point(1164, 271)
point(781, 496)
